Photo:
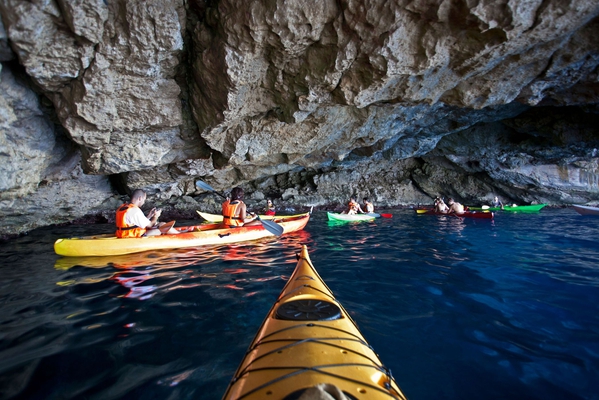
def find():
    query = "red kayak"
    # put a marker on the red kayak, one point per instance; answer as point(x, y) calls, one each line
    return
point(467, 214)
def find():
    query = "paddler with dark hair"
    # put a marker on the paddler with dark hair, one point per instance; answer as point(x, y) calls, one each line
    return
point(368, 206)
point(132, 223)
point(235, 211)
point(270, 208)
point(440, 205)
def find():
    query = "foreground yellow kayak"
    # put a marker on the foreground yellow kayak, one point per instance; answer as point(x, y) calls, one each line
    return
point(308, 339)
point(190, 236)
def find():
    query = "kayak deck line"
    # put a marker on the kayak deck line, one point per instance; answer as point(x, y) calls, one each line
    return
point(327, 341)
point(308, 339)
point(182, 229)
point(318, 369)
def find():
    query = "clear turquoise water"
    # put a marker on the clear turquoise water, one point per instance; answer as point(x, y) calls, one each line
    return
point(457, 309)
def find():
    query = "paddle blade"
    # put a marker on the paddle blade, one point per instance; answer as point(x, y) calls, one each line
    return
point(272, 227)
point(164, 228)
point(387, 215)
point(205, 186)
point(485, 207)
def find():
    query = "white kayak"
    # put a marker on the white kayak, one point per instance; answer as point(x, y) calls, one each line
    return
point(351, 217)
point(586, 210)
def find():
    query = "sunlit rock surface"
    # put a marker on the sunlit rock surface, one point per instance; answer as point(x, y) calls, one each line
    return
point(307, 102)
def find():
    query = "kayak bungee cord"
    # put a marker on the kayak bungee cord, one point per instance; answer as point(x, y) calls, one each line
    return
point(317, 369)
point(321, 340)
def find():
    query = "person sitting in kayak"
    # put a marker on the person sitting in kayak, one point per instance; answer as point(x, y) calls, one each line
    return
point(353, 207)
point(270, 208)
point(440, 205)
point(455, 207)
point(234, 211)
point(131, 221)
point(368, 206)
point(496, 202)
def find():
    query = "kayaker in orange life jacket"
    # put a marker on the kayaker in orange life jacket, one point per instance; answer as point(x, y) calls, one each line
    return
point(235, 211)
point(131, 221)
point(353, 207)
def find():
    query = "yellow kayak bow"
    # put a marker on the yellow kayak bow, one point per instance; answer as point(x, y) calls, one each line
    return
point(308, 339)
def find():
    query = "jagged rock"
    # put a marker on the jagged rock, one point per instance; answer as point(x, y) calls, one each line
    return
point(41, 179)
point(27, 143)
point(6, 53)
point(85, 18)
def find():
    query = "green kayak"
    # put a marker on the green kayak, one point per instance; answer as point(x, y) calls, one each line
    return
point(351, 217)
point(530, 208)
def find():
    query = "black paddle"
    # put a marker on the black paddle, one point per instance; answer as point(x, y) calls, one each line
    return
point(270, 226)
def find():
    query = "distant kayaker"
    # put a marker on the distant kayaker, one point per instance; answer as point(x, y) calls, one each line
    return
point(270, 208)
point(455, 207)
point(235, 211)
point(131, 221)
point(368, 206)
point(353, 207)
point(496, 202)
point(440, 205)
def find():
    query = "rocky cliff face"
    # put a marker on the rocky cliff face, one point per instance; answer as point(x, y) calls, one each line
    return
point(307, 102)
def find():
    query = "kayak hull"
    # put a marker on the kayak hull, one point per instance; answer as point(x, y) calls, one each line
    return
point(200, 235)
point(219, 218)
point(586, 210)
point(465, 214)
point(308, 339)
point(351, 217)
point(528, 208)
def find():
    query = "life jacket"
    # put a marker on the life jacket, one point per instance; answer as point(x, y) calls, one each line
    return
point(352, 205)
point(270, 210)
point(123, 230)
point(230, 217)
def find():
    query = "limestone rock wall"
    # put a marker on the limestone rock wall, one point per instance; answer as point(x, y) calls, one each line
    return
point(307, 102)
point(41, 179)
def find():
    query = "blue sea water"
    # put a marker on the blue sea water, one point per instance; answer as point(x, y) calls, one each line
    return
point(456, 308)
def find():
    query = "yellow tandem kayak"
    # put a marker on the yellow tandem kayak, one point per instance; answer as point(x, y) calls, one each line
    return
point(190, 236)
point(308, 339)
